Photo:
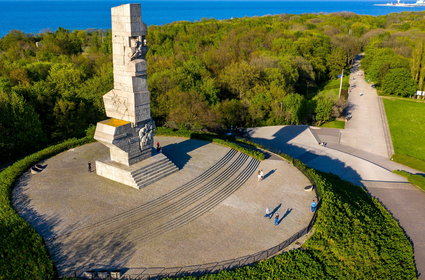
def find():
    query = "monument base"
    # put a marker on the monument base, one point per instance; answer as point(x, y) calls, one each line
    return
point(138, 175)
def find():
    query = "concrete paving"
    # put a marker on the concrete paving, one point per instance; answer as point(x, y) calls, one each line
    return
point(187, 218)
point(360, 157)
point(365, 130)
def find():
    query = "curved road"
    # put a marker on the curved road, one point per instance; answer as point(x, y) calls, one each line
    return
point(358, 154)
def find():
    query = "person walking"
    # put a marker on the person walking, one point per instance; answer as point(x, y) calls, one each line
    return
point(276, 219)
point(89, 166)
point(267, 213)
point(259, 175)
point(313, 206)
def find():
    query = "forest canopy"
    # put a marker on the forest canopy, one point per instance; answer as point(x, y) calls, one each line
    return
point(210, 75)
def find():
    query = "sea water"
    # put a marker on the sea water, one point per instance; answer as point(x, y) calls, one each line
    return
point(38, 16)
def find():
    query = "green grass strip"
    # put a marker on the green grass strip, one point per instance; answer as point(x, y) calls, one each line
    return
point(415, 179)
point(406, 118)
point(413, 162)
point(334, 124)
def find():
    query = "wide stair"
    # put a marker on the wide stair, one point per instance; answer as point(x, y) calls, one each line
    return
point(153, 172)
point(178, 207)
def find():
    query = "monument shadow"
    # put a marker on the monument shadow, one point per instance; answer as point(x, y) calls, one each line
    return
point(178, 153)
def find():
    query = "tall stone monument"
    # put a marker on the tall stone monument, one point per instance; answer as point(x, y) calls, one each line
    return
point(130, 132)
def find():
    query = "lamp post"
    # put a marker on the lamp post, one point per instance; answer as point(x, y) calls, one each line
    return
point(340, 84)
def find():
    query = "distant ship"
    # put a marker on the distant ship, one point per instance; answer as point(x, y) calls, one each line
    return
point(419, 3)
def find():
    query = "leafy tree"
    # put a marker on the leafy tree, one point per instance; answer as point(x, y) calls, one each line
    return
point(209, 91)
point(259, 105)
point(379, 61)
point(239, 77)
point(336, 61)
point(418, 64)
point(19, 76)
point(66, 78)
point(20, 127)
point(188, 110)
point(232, 113)
point(38, 71)
point(293, 108)
point(399, 82)
point(323, 109)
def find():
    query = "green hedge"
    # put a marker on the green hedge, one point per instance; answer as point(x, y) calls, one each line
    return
point(23, 254)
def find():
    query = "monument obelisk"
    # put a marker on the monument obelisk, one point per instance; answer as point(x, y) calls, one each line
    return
point(130, 131)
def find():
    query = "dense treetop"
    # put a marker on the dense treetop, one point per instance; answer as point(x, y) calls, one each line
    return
point(205, 75)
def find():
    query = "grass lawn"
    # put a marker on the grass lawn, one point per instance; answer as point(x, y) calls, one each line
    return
point(334, 124)
point(415, 179)
point(331, 89)
point(406, 119)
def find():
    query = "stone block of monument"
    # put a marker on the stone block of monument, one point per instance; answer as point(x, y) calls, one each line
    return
point(129, 132)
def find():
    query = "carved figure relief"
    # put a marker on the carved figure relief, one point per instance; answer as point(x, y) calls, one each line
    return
point(140, 48)
point(120, 104)
point(146, 134)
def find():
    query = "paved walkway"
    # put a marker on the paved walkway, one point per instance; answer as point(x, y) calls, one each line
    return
point(365, 130)
point(358, 154)
point(211, 210)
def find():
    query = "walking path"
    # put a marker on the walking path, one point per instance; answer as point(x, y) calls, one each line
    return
point(365, 130)
point(358, 154)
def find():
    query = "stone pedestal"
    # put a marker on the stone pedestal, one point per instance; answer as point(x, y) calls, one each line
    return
point(128, 144)
point(138, 175)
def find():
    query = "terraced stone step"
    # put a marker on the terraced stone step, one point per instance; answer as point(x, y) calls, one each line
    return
point(203, 207)
point(153, 172)
point(193, 184)
point(150, 167)
point(163, 172)
point(152, 215)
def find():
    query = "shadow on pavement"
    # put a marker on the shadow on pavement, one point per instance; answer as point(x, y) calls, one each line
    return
point(288, 211)
point(178, 153)
point(280, 144)
point(269, 173)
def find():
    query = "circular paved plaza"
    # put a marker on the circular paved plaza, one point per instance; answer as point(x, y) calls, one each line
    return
point(211, 210)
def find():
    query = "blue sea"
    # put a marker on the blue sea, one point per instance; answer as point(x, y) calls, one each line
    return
point(38, 16)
